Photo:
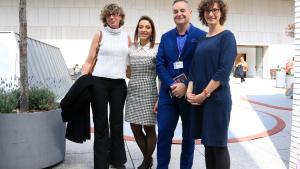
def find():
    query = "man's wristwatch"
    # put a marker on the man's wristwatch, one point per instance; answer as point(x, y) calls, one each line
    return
point(206, 93)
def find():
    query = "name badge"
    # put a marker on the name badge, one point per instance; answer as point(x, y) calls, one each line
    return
point(178, 65)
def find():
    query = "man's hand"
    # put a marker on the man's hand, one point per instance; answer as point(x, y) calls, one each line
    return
point(178, 90)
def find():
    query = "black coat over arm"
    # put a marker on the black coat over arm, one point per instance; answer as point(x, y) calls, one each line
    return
point(75, 108)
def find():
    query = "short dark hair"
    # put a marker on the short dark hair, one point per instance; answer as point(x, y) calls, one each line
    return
point(112, 9)
point(205, 5)
point(153, 34)
point(187, 2)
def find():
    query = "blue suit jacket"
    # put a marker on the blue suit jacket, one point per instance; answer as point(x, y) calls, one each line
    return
point(168, 54)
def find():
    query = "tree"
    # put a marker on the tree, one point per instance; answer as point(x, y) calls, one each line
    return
point(23, 57)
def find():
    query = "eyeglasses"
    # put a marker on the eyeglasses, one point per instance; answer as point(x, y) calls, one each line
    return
point(113, 14)
point(214, 11)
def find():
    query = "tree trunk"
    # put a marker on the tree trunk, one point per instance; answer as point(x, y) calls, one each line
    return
point(23, 57)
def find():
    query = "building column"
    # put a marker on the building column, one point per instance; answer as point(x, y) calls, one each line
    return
point(295, 134)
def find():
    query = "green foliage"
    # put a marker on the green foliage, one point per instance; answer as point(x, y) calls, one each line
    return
point(40, 99)
point(8, 101)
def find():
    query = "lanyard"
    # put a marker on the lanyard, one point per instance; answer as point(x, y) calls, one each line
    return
point(180, 43)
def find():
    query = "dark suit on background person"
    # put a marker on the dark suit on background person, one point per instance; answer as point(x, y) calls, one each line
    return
point(170, 108)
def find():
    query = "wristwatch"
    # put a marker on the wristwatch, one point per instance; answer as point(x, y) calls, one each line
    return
point(206, 93)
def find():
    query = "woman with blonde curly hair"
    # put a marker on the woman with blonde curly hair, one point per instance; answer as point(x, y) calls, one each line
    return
point(108, 68)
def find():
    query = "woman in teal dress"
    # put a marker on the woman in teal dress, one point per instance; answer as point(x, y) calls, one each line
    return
point(208, 89)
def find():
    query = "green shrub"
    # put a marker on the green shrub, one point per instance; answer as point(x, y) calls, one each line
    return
point(40, 99)
point(8, 101)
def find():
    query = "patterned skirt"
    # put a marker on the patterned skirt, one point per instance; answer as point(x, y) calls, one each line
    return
point(141, 97)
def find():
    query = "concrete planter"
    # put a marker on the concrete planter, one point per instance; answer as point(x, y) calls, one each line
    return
point(288, 81)
point(280, 79)
point(273, 73)
point(31, 140)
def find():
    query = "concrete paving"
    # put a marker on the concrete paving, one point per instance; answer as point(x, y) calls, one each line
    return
point(259, 133)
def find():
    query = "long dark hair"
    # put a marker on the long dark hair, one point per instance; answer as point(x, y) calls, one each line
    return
point(153, 34)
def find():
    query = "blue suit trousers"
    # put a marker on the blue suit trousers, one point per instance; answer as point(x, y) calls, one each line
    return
point(167, 117)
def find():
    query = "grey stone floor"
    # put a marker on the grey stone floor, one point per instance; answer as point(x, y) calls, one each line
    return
point(271, 152)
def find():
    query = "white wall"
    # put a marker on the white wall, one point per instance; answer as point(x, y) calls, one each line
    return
point(253, 21)
point(9, 53)
point(260, 22)
point(276, 55)
point(70, 24)
point(74, 51)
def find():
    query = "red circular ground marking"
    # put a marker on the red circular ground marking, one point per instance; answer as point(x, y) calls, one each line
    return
point(280, 125)
point(244, 98)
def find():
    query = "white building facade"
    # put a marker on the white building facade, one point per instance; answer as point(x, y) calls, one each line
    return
point(259, 26)
point(295, 134)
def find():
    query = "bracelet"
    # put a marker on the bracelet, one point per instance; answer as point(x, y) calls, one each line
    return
point(206, 93)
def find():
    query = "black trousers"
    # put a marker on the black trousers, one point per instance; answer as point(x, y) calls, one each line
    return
point(243, 76)
point(108, 143)
point(217, 157)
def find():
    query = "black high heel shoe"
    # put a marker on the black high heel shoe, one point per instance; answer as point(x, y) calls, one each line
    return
point(146, 165)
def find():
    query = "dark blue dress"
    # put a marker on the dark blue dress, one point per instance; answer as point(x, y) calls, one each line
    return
point(213, 59)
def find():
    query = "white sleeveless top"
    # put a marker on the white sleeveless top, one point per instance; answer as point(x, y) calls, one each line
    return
point(113, 54)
